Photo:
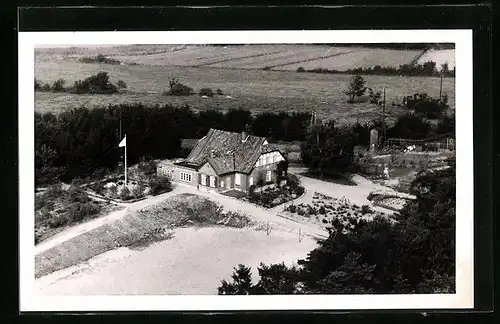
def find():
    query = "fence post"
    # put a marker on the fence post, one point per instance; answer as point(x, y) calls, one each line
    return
point(300, 231)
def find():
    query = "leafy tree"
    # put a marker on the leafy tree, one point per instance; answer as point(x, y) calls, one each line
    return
point(95, 84)
point(375, 97)
point(58, 86)
point(426, 106)
point(329, 150)
point(415, 254)
point(410, 126)
point(356, 88)
point(281, 171)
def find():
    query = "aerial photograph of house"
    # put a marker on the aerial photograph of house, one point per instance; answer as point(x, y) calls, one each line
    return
point(225, 161)
point(208, 169)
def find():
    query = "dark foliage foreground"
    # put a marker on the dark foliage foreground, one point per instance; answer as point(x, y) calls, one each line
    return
point(416, 254)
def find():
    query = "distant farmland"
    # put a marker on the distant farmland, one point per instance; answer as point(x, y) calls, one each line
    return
point(256, 90)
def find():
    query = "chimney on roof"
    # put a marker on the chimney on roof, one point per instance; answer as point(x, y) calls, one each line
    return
point(244, 133)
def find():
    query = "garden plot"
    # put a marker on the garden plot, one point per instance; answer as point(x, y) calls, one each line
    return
point(324, 209)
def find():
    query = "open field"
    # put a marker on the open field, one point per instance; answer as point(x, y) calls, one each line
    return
point(255, 90)
point(357, 58)
point(440, 57)
point(193, 262)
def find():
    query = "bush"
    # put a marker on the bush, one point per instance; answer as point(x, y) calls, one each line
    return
point(95, 84)
point(292, 208)
point(301, 69)
point(219, 92)
point(365, 209)
point(125, 194)
point(77, 196)
point(159, 185)
point(58, 221)
point(45, 87)
point(178, 89)
point(121, 84)
point(138, 191)
point(301, 212)
point(80, 211)
point(322, 210)
point(206, 92)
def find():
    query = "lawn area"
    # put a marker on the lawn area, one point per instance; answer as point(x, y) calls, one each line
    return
point(139, 229)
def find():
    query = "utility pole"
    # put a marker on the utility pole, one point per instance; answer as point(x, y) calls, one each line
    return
point(441, 86)
point(383, 118)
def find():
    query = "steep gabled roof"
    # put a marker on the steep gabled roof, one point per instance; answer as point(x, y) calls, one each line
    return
point(227, 152)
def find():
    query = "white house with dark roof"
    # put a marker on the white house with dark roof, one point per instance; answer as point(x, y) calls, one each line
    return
point(223, 161)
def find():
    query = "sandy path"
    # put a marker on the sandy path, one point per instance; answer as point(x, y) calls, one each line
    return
point(193, 262)
point(356, 194)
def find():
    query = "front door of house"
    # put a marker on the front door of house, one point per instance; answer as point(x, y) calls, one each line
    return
point(228, 183)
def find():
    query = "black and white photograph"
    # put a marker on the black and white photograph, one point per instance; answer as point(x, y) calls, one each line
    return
point(331, 166)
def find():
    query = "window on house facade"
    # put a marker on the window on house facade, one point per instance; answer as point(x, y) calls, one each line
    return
point(203, 180)
point(269, 159)
point(212, 181)
point(268, 175)
point(250, 181)
point(185, 176)
point(237, 179)
point(222, 184)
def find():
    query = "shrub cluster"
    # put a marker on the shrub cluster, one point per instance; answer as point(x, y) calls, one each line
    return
point(100, 58)
point(95, 84)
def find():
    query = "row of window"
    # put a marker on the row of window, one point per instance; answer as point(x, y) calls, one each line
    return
point(204, 180)
point(185, 176)
point(269, 158)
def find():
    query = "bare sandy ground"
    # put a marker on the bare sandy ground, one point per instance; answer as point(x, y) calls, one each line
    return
point(193, 262)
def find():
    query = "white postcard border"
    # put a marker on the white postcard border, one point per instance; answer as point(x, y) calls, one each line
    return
point(463, 298)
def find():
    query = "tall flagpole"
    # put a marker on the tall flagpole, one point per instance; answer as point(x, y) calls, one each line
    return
point(125, 162)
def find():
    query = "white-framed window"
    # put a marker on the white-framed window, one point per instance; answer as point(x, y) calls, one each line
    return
point(250, 181)
point(268, 175)
point(212, 181)
point(204, 179)
point(237, 179)
point(222, 183)
point(186, 176)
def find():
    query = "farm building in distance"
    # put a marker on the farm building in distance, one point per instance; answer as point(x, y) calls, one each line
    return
point(224, 161)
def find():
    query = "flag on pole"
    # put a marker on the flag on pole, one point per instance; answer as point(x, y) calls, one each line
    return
point(123, 142)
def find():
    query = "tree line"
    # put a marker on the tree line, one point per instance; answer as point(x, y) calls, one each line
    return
point(414, 254)
point(426, 69)
point(77, 142)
